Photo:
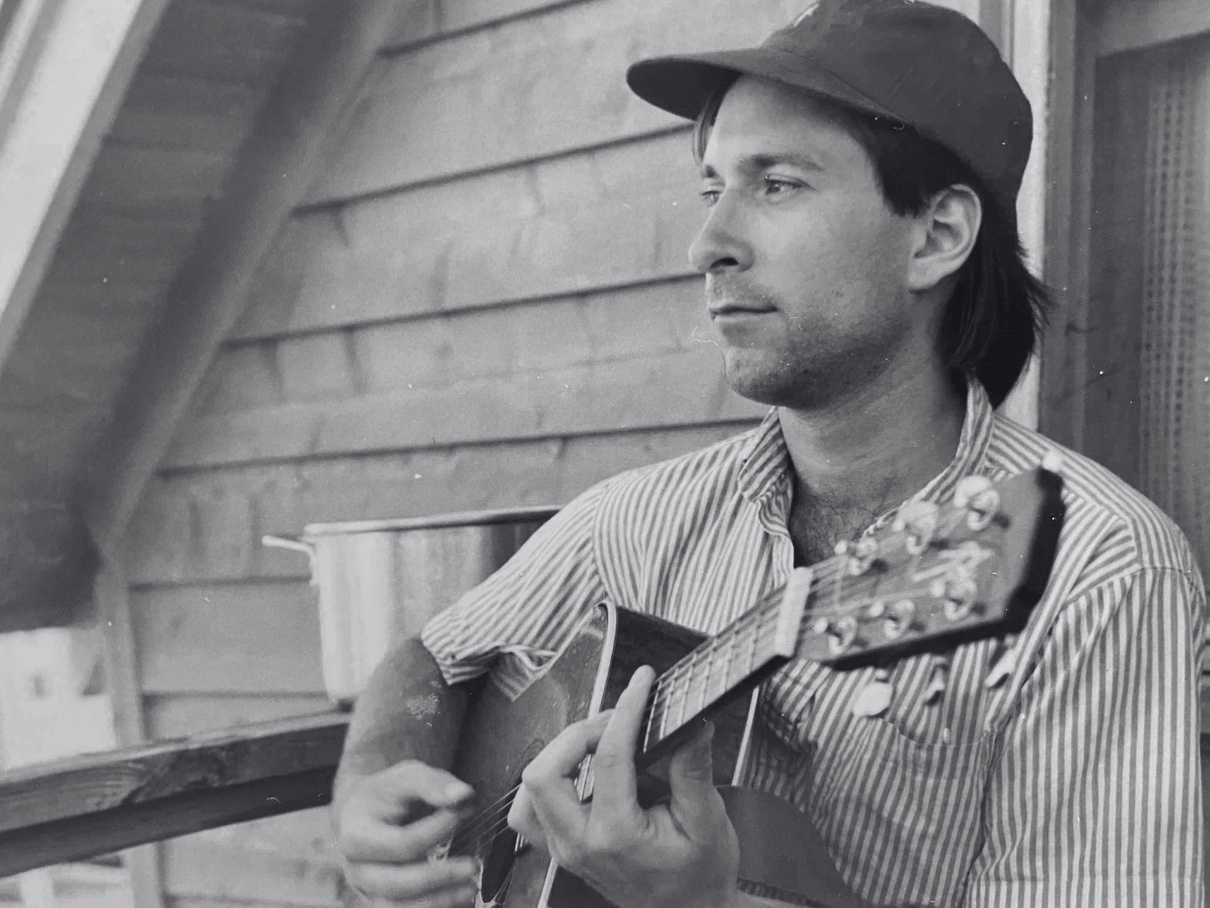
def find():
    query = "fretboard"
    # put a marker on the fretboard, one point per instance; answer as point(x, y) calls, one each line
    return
point(742, 654)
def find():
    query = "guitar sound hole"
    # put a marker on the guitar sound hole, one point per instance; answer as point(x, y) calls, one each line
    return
point(497, 864)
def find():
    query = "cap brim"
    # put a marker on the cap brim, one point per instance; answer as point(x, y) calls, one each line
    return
point(681, 85)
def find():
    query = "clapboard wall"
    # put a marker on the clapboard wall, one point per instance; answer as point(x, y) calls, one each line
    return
point(484, 301)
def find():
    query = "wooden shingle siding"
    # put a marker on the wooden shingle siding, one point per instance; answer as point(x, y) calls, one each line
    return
point(605, 218)
point(440, 351)
point(183, 512)
point(662, 391)
point(428, 20)
point(227, 638)
point(529, 88)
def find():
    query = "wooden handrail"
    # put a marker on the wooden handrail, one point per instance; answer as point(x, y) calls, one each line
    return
point(98, 803)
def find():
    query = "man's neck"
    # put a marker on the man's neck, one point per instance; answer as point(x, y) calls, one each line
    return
point(873, 451)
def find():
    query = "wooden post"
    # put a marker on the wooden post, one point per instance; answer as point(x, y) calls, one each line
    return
point(113, 610)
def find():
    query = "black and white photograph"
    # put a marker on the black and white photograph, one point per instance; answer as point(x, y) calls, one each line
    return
point(604, 453)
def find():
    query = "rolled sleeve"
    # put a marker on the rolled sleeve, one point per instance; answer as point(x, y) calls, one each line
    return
point(529, 608)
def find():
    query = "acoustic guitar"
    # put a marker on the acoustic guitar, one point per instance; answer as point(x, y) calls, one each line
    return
point(936, 577)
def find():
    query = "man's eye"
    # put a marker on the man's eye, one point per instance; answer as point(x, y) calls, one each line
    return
point(774, 186)
point(710, 196)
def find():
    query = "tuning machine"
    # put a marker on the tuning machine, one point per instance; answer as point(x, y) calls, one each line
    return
point(977, 496)
point(841, 633)
point(918, 520)
point(860, 555)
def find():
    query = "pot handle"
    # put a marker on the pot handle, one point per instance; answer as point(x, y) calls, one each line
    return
point(294, 545)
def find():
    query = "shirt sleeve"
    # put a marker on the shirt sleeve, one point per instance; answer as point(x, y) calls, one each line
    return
point(1095, 795)
point(528, 609)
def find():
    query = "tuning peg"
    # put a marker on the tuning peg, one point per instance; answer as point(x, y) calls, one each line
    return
point(958, 590)
point(968, 487)
point(980, 500)
point(875, 698)
point(1004, 663)
point(841, 634)
point(899, 619)
point(860, 556)
point(919, 520)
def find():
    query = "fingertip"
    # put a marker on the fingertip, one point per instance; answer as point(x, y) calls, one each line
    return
point(644, 674)
point(456, 794)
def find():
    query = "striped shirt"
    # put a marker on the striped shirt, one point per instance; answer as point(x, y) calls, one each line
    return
point(1075, 783)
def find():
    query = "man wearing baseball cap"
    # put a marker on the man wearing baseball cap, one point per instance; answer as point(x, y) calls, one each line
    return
point(863, 271)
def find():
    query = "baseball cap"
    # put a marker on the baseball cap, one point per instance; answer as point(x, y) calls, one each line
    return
point(926, 66)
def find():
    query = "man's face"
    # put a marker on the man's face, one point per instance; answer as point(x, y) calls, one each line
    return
point(805, 264)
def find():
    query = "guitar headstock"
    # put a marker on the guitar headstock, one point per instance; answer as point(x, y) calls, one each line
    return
point(939, 575)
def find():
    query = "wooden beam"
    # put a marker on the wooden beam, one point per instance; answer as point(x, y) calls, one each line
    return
point(1134, 24)
point(68, 99)
point(96, 804)
point(314, 92)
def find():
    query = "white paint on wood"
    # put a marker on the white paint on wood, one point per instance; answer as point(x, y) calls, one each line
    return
point(182, 715)
point(1133, 24)
point(112, 598)
point(1030, 61)
point(37, 889)
point(228, 638)
point(68, 100)
point(207, 869)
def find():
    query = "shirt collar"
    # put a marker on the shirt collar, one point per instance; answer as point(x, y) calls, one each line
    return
point(765, 462)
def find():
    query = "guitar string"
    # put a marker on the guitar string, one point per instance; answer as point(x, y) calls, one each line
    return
point(828, 572)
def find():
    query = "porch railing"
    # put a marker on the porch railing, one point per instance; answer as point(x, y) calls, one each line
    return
point(95, 804)
point(99, 803)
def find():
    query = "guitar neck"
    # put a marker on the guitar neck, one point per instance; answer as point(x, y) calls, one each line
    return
point(724, 666)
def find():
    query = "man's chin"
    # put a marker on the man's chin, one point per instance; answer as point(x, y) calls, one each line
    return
point(774, 390)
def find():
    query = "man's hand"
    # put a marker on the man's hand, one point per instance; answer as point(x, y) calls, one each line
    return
point(387, 826)
point(682, 853)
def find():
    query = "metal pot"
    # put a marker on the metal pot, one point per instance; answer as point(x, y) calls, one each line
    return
point(379, 581)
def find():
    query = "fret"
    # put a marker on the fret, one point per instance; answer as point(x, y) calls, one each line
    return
point(655, 718)
point(729, 660)
point(710, 671)
point(702, 660)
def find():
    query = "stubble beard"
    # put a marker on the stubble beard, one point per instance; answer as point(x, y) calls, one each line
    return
point(814, 370)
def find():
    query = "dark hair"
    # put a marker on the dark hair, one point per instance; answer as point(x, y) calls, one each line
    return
point(997, 309)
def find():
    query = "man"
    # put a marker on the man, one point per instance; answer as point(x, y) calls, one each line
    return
point(863, 273)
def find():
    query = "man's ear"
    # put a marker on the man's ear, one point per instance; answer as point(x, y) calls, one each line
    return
point(948, 228)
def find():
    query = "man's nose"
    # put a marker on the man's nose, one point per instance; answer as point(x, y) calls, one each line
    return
point(721, 244)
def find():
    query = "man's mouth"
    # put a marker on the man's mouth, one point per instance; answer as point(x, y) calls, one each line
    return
point(733, 299)
point(720, 310)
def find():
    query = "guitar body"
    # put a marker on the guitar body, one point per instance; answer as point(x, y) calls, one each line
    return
point(501, 736)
